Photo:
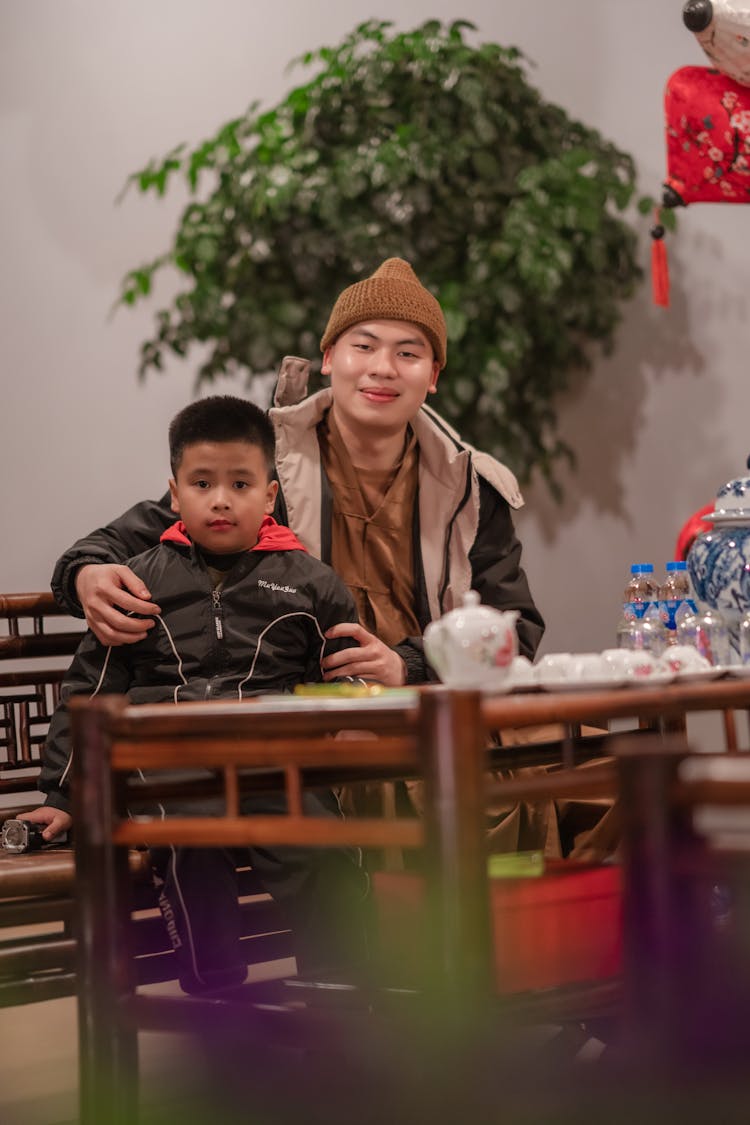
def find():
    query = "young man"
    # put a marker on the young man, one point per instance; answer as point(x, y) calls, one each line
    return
point(371, 480)
point(244, 609)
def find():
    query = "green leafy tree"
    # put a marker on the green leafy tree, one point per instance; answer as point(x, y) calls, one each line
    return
point(422, 146)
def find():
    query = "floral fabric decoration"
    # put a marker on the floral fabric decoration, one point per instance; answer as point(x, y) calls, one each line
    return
point(708, 136)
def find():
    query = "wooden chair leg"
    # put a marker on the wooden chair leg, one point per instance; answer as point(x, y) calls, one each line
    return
point(108, 1047)
point(730, 729)
point(107, 1044)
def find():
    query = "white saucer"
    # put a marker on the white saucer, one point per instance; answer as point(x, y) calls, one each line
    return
point(583, 685)
point(689, 675)
point(504, 689)
point(524, 685)
point(741, 671)
point(655, 679)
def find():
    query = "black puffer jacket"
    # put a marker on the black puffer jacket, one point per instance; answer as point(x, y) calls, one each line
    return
point(262, 632)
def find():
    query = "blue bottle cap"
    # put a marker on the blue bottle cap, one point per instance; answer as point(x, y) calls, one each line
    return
point(677, 565)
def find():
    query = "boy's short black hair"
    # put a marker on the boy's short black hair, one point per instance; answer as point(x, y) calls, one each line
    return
point(221, 418)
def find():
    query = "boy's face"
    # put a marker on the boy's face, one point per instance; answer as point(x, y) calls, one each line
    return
point(221, 492)
point(381, 372)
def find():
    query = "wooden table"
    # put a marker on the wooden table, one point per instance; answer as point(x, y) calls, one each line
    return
point(662, 708)
point(435, 733)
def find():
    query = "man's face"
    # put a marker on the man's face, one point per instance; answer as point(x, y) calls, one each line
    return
point(222, 492)
point(381, 372)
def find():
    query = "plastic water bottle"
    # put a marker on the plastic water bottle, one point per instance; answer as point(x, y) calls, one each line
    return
point(640, 592)
point(642, 634)
point(640, 626)
point(686, 625)
point(674, 595)
point(657, 633)
point(707, 631)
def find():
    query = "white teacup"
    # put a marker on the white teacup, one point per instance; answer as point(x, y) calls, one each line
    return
point(554, 666)
point(684, 658)
point(635, 664)
point(618, 660)
point(522, 672)
point(588, 666)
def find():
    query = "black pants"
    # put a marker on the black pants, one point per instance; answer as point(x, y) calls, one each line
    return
point(322, 893)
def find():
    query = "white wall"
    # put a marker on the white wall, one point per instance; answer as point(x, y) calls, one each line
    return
point(91, 89)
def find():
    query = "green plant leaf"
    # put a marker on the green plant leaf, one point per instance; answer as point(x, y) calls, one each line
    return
point(421, 144)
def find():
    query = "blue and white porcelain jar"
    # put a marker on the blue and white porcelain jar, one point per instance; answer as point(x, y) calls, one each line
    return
point(719, 559)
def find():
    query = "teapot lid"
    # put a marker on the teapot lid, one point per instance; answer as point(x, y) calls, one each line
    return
point(472, 608)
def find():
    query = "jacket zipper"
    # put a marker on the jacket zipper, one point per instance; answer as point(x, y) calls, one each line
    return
point(216, 600)
point(218, 629)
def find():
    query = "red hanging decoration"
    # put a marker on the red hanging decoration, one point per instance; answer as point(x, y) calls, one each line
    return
point(659, 266)
point(708, 152)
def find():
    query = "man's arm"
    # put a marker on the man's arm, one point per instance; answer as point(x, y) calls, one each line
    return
point(496, 570)
point(134, 531)
point(90, 579)
point(353, 650)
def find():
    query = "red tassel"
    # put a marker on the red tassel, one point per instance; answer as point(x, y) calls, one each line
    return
point(659, 267)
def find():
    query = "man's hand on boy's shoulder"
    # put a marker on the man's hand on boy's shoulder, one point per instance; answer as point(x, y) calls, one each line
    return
point(368, 657)
point(56, 821)
point(107, 593)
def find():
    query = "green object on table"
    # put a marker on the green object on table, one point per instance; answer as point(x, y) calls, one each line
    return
point(360, 690)
point(515, 865)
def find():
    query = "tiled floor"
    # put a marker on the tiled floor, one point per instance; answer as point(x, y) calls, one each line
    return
point(39, 1060)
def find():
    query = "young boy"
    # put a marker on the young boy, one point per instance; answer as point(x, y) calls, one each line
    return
point(245, 610)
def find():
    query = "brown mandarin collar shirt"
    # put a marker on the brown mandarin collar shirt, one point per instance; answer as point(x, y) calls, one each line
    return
point(372, 546)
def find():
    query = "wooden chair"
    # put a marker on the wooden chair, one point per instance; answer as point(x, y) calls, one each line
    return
point(37, 934)
point(34, 660)
point(36, 645)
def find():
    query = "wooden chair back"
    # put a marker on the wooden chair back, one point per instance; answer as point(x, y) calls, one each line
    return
point(33, 659)
point(37, 641)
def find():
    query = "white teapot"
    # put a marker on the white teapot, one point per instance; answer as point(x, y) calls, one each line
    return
point(474, 646)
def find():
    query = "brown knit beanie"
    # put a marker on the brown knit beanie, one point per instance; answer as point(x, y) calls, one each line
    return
point(393, 292)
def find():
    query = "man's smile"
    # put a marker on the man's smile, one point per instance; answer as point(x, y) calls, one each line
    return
point(379, 394)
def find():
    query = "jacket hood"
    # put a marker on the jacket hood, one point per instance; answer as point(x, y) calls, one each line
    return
point(271, 537)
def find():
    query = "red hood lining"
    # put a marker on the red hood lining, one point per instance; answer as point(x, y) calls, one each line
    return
point(272, 536)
